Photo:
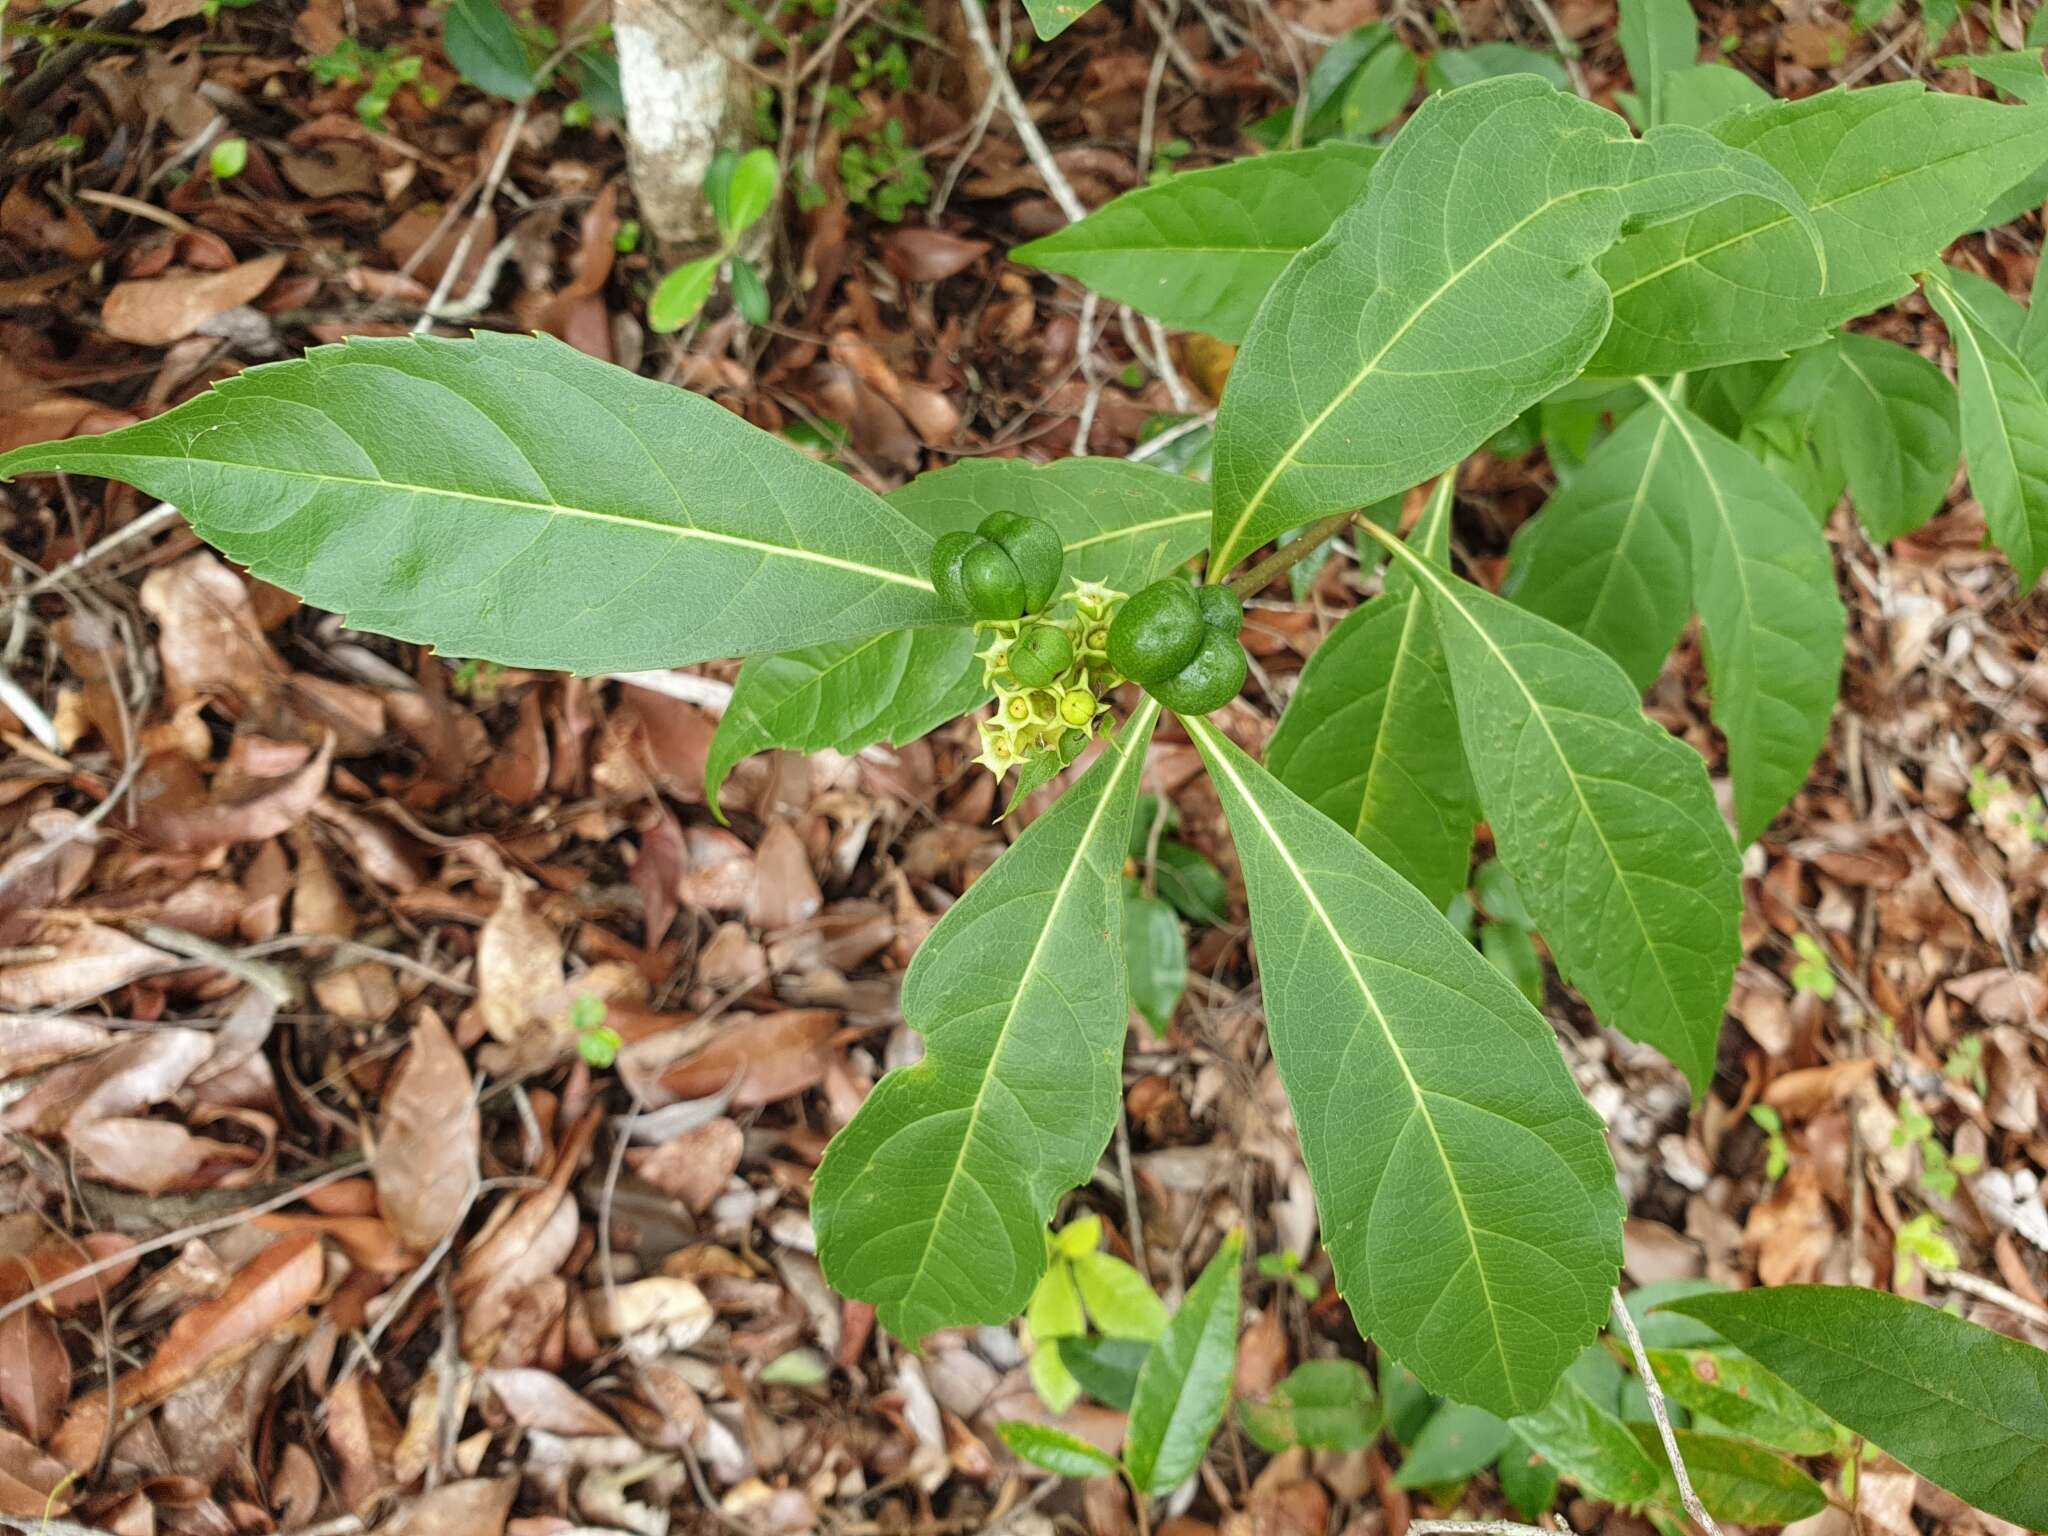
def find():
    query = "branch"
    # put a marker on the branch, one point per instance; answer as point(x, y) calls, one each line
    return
point(1290, 554)
point(1658, 1411)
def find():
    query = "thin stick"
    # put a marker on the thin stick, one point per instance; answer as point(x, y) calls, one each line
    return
point(485, 198)
point(156, 517)
point(1027, 131)
point(1290, 554)
point(1662, 1415)
point(1481, 1528)
point(1986, 1290)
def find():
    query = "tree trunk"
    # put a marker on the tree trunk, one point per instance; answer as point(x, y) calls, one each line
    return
point(685, 96)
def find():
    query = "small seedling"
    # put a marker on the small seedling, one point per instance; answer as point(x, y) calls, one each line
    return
point(740, 189)
point(1286, 1266)
point(596, 1041)
point(1778, 1156)
point(1812, 973)
point(229, 158)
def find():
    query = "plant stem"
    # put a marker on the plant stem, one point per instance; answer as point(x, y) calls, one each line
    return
point(1290, 554)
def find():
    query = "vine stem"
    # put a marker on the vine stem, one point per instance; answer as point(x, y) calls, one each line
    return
point(1290, 554)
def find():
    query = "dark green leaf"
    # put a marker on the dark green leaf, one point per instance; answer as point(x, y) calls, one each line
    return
point(1157, 956)
point(1049, 18)
point(1512, 952)
point(1528, 1478)
point(1457, 1441)
point(1056, 1450)
point(1449, 68)
point(483, 45)
point(1193, 885)
point(1107, 1369)
point(1184, 1385)
point(1891, 420)
point(1586, 1443)
point(1324, 1405)
point(749, 295)
point(1737, 1482)
point(1737, 1393)
point(1962, 1406)
point(1409, 1402)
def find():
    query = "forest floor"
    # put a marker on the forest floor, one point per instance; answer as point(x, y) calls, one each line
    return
point(252, 863)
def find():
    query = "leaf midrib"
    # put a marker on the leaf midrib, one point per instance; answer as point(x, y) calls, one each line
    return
point(1205, 733)
point(1637, 502)
point(1981, 332)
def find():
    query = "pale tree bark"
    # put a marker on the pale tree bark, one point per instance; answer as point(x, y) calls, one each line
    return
point(685, 96)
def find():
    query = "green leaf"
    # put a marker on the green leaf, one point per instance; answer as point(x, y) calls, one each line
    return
point(1321, 106)
point(1418, 1077)
point(1605, 820)
point(1456, 1442)
point(1658, 37)
point(1737, 1482)
point(1528, 1478)
point(1449, 68)
point(932, 1202)
point(1200, 250)
point(1703, 94)
point(1157, 954)
point(512, 499)
point(1184, 1385)
point(1890, 419)
point(1049, 18)
point(752, 192)
point(1588, 1444)
point(228, 159)
point(1107, 1369)
point(1379, 92)
point(1737, 1393)
point(678, 297)
point(1056, 1450)
point(1512, 952)
point(749, 294)
point(1050, 1378)
point(2019, 74)
point(483, 45)
point(1323, 1405)
point(2004, 420)
point(1195, 888)
point(1117, 1297)
point(1409, 1403)
point(1609, 557)
point(1891, 175)
point(1380, 358)
point(1763, 580)
point(1962, 1406)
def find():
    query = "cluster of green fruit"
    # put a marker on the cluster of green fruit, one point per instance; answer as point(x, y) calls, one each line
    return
point(1051, 674)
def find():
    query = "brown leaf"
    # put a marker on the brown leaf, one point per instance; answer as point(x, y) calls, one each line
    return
point(518, 962)
point(1968, 883)
point(929, 255)
point(35, 1372)
point(542, 1400)
point(429, 1141)
point(477, 1506)
point(32, 1486)
point(785, 891)
point(180, 814)
point(90, 961)
point(151, 1156)
point(363, 1433)
point(137, 1071)
point(156, 311)
point(266, 1293)
point(694, 1166)
point(207, 635)
point(763, 1058)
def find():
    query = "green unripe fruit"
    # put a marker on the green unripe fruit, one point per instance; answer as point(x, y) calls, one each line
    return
point(1156, 632)
point(995, 587)
point(1221, 609)
point(1036, 549)
point(947, 556)
point(1077, 707)
point(1208, 682)
point(1041, 654)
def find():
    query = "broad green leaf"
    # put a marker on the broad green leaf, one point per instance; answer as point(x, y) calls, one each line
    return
point(1512, 952)
point(510, 498)
point(1380, 356)
point(1324, 1405)
point(1117, 1297)
point(1605, 820)
point(1199, 250)
point(2019, 74)
point(678, 297)
point(1609, 557)
point(1891, 174)
point(1763, 580)
point(1122, 523)
point(1528, 1478)
point(1329, 78)
point(1156, 953)
point(1055, 1310)
point(1962, 1406)
point(1191, 884)
point(1736, 1481)
point(1737, 1393)
point(752, 192)
point(1457, 1441)
point(1703, 94)
point(1184, 1385)
point(1370, 737)
point(1589, 1445)
point(1890, 419)
point(1049, 18)
point(1050, 1378)
point(2004, 418)
point(932, 1202)
point(1379, 92)
point(1449, 68)
point(1467, 1199)
point(1107, 1369)
point(484, 46)
point(1056, 1450)
point(1658, 37)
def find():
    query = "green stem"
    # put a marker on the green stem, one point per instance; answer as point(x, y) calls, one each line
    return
point(1290, 554)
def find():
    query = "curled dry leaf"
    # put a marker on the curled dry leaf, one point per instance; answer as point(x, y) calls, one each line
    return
point(180, 813)
point(32, 1486)
point(363, 1433)
point(156, 311)
point(428, 1144)
point(651, 1317)
point(59, 1257)
point(35, 1372)
point(91, 960)
point(477, 1506)
point(207, 636)
point(694, 1166)
point(135, 1072)
point(518, 962)
point(150, 1156)
point(1969, 884)
point(760, 1058)
point(542, 1400)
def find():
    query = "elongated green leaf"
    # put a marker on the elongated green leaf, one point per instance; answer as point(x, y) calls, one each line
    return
point(1450, 68)
point(1056, 1450)
point(1891, 174)
point(1960, 1405)
point(1467, 1198)
point(485, 49)
point(1107, 1369)
point(1890, 419)
point(2005, 422)
point(1049, 18)
point(1122, 523)
point(1156, 953)
point(1605, 820)
point(1324, 1405)
point(2019, 73)
point(1705, 93)
point(1609, 557)
point(1733, 1390)
point(1592, 1447)
point(511, 498)
point(1735, 1480)
point(1528, 1478)
point(1184, 1384)
point(1370, 737)
point(1380, 356)
point(1657, 37)
point(1763, 580)
point(932, 1202)
point(1199, 250)
point(1458, 1440)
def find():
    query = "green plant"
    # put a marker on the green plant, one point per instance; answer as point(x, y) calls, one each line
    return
point(1286, 1267)
point(1777, 1155)
point(383, 72)
point(596, 1041)
point(228, 159)
point(1813, 973)
point(740, 189)
point(884, 173)
point(1081, 1286)
point(1514, 249)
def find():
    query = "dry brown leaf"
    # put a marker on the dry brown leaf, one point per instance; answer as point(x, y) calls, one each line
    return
point(180, 813)
point(91, 960)
point(929, 255)
point(785, 891)
point(518, 962)
point(694, 1166)
point(32, 1486)
point(150, 1156)
point(35, 1372)
point(429, 1141)
point(137, 1071)
point(156, 311)
point(478, 1506)
point(207, 635)
point(363, 1433)
point(652, 1317)
point(1968, 883)
point(762, 1058)
point(542, 1400)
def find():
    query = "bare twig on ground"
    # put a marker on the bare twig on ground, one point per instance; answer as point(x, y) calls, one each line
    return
point(485, 198)
point(1988, 1290)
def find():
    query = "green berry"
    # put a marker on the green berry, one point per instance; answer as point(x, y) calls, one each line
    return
point(1156, 632)
point(1221, 609)
point(1208, 682)
point(995, 587)
point(1041, 654)
point(1077, 706)
point(1035, 546)
point(947, 555)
